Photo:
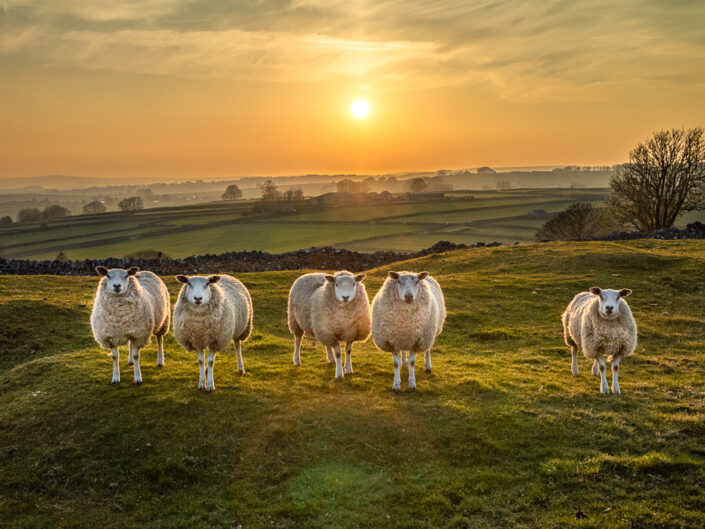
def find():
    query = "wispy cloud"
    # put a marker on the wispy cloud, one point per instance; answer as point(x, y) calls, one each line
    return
point(534, 50)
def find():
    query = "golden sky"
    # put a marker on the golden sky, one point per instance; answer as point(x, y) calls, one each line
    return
point(211, 88)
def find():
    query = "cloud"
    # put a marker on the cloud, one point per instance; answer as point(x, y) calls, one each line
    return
point(534, 50)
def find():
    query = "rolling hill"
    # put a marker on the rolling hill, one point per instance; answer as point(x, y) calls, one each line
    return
point(501, 435)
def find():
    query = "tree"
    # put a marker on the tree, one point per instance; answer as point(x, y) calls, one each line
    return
point(298, 194)
point(232, 193)
point(580, 221)
point(29, 215)
point(5, 221)
point(61, 256)
point(55, 212)
point(485, 170)
point(418, 185)
point(94, 207)
point(131, 204)
point(269, 190)
point(665, 177)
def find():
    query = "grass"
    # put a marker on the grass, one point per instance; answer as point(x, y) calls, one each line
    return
point(501, 435)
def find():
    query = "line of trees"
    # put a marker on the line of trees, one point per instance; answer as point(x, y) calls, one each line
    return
point(131, 204)
point(49, 213)
point(94, 207)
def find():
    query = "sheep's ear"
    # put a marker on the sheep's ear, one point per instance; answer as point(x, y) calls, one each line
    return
point(360, 277)
point(329, 278)
point(624, 292)
point(101, 270)
point(394, 275)
point(213, 279)
point(182, 279)
point(423, 275)
point(595, 290)
point(133, 270)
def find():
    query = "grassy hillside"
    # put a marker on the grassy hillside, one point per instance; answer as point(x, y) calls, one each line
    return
point(501, 435)
point(222, 227)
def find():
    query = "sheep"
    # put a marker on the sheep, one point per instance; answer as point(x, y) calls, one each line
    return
point(129, 308)
point(209, 313)
point(331, 309)
point(600, 324)
point(408, 313)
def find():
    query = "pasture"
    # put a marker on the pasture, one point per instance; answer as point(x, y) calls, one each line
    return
point(221, 227)
point(500, 435)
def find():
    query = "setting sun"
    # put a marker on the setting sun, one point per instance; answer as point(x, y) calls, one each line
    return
point(360, 108)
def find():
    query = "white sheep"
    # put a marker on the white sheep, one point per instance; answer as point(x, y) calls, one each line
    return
point(331, 309)
point(130, 307)
point(600, 324)
point(408, 313)
point(209, 313)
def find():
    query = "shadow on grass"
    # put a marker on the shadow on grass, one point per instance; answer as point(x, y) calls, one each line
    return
point(32, 329)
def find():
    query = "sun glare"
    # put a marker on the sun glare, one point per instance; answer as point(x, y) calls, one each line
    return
point(360, 108)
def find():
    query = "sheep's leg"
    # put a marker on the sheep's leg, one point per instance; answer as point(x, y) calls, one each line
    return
point(240, 363)
point(574, 365)
point(428, 361)
point(201, 370)
point(129, 353)
point(116, 366)
point(136, 358)
point(615, 370)
point(210, 383)
point(604, 389)
point(596, 368)
point(404, 362)
point(330, 355)
point(160, 351)
point(338, 361)
point(412, 370)
point(297, 349)
point(348, 358)
point(396, 386)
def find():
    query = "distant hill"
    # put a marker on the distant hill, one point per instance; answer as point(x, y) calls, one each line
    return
point(53, 181)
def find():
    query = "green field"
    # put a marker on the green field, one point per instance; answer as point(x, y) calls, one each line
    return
point(220, 227)
point(501, 435)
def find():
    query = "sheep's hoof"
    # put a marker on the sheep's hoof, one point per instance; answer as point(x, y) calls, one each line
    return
point(241, 371)
point(616, 392)
point(349, 371)
point(160, 364)
point(429, 370)
point(201, 385)
point(396, 387)
point(138, 382)
point(604, 391)
point(115, 381)
point(210, 389)
point(339, 375)
point(412, 388)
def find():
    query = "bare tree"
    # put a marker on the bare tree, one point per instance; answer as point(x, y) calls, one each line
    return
point(94, 207)
point(580, 221)
point(665, 177)
point(5, 221)
point(298, 194)
point(29, 215)
point(232, 193)
point(418, 185)
point(131, 204)
point(269, 190)
point(55, 212)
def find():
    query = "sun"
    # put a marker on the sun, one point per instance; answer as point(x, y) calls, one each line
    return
point(360, 108)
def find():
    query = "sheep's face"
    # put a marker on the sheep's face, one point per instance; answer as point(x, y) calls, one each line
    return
point(408, 284)
point(116, 280)
point(609, 301)
point(198, 288)
point(345, 286)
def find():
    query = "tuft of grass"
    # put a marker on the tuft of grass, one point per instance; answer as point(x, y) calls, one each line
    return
point(500, 435)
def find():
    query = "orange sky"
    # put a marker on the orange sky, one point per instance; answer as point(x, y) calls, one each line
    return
point(215, 89)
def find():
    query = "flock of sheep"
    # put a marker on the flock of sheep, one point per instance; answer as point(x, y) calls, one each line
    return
point(406, 315)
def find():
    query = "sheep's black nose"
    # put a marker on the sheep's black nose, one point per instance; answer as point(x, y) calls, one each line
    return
point(409, 298)
point(609, 309)
point(117, 288)
point(197, 300)
point(345, 298)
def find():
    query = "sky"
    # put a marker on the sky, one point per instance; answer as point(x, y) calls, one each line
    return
point(213, 88)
